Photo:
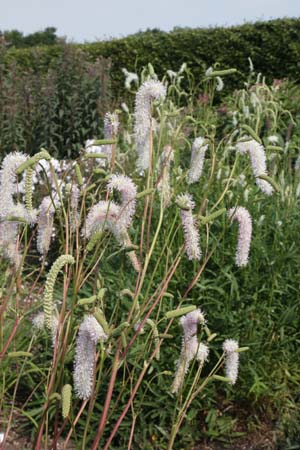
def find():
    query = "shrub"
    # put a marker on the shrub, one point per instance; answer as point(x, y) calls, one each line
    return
point(59, 108)
point(273, 46)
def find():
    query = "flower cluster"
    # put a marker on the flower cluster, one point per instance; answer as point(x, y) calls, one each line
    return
point(128, 191)
point(150, 90)
point(197, 160)
point(243, 217)
point(90, 332)
point(164, 164)
point(191, 233)
point(191, 348)
point(230, 347)
point(258, 162)
point(9, 209)
point(45, 225)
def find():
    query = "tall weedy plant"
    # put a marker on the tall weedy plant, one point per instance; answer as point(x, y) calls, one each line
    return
point(104, 254)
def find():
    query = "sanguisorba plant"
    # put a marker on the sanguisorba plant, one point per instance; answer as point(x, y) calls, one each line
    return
point(96, 248)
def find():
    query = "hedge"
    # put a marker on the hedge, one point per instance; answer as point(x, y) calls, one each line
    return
point(274, 47)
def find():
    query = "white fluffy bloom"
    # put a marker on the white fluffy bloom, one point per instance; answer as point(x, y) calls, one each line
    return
point(74, 203)
point(220, 84)
point(38, 322)
point(45, 225)
point(191, 233)
point(103, 216)
point(111, 126)
point(231, 359)
point(128, 191)
point(243, 217)
point(164, 164)
point(149, 90)
point(130, 77)
point(9, 208)
point(90, 332)
point(9, 182)
point(197, 160)
point(8, 241)
point(191, 348)
point(258, 161)
point(273, 139)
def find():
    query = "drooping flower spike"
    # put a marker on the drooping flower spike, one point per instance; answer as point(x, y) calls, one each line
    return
point(90, 333)
point(9, 208)
point(149, 90)
point(128, 191)
point(191, 348)
point(45, 225)
point(230, 347)
point(191, 233)
point(164, 165)
point(111, 126)
point(197, 160)
point(257, 155)
point(243, 217)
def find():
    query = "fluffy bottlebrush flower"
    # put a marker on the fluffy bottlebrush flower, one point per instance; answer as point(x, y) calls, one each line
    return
point(243, 217)
point(125, 240)
point(9, 181)
point(109, 216)
point(191, 233)
point(45, 225)
point(90, 332)
point(190, 321)
point(130, 77)
point(164, 164)
point(8, 241)
point(197, 160)
point(111, 126)
point(8, 208)
point(258, 161)
point(128, 191)
point(74, 203)
point(9, 231)
point(150, 90)
point(231, 359)
point(38, 322)
point(191, 348)
point(103, 216)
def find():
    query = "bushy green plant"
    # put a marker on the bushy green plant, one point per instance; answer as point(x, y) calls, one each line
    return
point(136, 281)
point(59, 108)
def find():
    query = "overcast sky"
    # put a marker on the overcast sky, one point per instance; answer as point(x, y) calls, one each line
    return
point(89, 20)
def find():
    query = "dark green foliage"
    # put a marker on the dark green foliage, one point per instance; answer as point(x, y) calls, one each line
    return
point(273, 46)
point(57, 109)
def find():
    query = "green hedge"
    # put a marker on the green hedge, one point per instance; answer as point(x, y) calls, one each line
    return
point(274, 47)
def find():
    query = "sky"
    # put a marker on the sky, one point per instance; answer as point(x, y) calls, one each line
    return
point(91, 20)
